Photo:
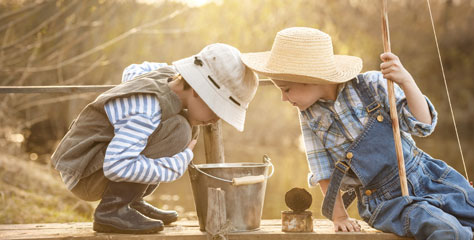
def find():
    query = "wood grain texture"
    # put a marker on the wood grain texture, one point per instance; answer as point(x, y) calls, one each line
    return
point(213, 143)
point(216, 214)
point(187, 230)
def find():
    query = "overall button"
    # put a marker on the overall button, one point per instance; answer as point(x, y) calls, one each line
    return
point(380, 118)
point(349, 155)
point(368, 192)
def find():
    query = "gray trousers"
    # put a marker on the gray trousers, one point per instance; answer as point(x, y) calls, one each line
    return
point(92, 187)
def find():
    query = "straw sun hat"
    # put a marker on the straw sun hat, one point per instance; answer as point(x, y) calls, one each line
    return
point(303, 55)
point(219, 77)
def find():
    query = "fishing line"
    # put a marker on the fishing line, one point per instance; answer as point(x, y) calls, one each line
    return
point(447, 91)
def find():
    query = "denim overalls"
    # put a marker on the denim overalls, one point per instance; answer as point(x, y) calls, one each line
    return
point(441, 201)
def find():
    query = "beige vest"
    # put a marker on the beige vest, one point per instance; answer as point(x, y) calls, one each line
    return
point(81, 152)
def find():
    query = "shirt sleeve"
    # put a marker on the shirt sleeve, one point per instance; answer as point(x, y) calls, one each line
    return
point(408, 123)
point(134, 70)
point(134, 119)
point(316, 155)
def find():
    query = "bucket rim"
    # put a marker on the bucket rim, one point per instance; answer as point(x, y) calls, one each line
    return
point(231, 165)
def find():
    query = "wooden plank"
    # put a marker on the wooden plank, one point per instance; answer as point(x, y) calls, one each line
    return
point(55, 89)
point(216, 212)
point(186, 230)
point(73, 88)
point(213, 143)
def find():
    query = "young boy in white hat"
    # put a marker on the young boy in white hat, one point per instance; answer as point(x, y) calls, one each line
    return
point(349, 142)
point(138, 134)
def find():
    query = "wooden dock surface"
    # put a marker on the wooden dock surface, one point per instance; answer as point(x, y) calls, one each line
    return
point(186, 230)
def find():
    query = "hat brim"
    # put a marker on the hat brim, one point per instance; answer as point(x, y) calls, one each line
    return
point(197, 77)
point(347, 67)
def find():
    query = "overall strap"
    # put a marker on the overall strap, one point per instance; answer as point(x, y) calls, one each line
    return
point(340, 169)
point(343, 165)
point(366, 96)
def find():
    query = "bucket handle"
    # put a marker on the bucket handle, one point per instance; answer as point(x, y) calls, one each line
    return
point(242, 180)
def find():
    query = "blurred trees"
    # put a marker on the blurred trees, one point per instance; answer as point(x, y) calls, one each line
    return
point(59, 42)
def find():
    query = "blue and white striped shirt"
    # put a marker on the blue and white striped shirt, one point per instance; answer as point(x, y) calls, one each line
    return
point(134, 70)
point(134, 119)
point(326, 143)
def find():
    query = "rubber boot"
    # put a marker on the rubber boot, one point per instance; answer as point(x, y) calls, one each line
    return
point(152, 212)
point(114, 215)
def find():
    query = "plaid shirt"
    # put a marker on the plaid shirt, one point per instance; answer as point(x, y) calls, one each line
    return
point(329, 127)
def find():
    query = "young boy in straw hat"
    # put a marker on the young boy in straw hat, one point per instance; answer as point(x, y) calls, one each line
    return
point(349, 141)
point(138, 134)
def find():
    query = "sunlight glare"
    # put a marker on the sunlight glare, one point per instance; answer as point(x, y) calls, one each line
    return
point(191, 3)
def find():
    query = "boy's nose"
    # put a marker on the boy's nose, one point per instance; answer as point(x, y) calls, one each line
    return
point(284, 97)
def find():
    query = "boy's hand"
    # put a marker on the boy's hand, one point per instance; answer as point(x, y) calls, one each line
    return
point(392, 69)
point(192, 144)
point(340, 217)
point(345, 224)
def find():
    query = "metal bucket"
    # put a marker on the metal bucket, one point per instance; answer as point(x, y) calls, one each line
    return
point(243, 198)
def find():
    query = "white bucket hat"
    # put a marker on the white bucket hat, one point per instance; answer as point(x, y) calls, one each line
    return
point(304, 55)
point(219, 77)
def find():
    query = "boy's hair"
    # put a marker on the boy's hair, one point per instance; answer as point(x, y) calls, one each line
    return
point(180, 79)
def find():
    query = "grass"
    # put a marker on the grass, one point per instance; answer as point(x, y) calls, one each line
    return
point(32, 193)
